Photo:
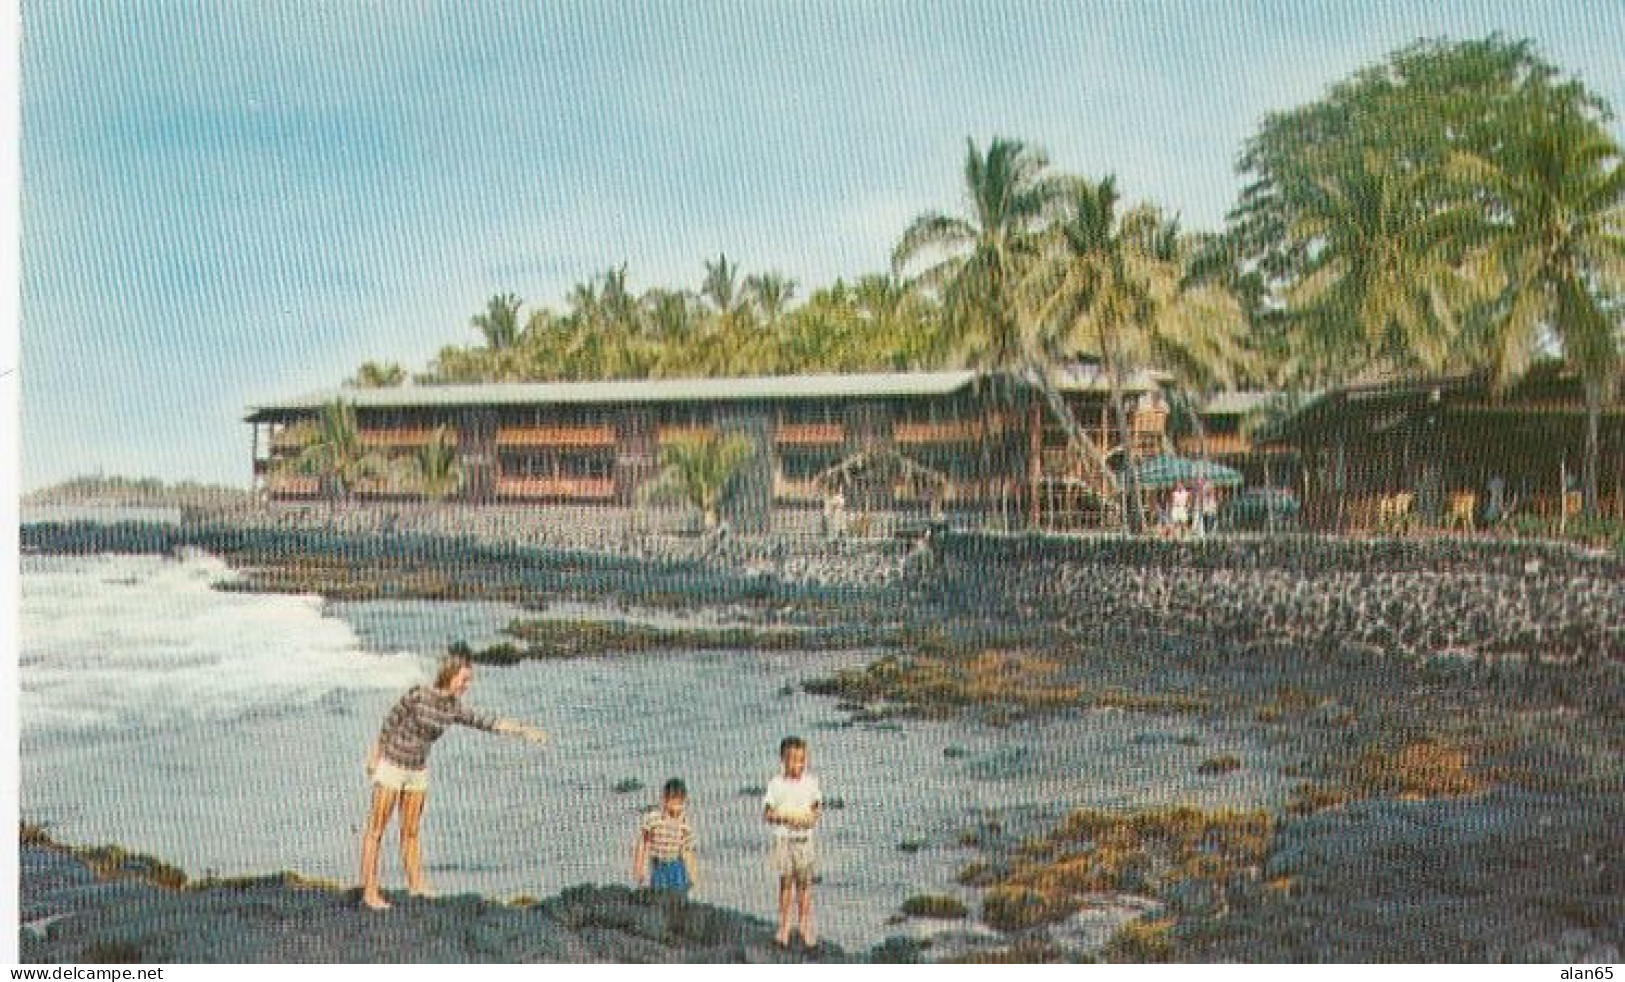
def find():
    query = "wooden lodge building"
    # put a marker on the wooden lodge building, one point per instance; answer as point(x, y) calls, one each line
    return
point(933, 443)
point(1440, 451)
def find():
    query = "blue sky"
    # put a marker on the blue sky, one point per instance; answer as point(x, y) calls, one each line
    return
point(228, 202)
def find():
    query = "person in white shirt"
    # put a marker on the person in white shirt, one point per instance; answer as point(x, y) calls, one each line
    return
point(792, 806)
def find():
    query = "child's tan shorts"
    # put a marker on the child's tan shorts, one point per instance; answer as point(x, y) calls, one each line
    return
point(795, 858)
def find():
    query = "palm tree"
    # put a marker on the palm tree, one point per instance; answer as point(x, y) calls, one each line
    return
point(334, 453)
point(984, 256)
point(375, 375)
point(986, 253)
point(771, 293)
point(499, 324)
point(700, 468)
point(439, 472)
point(1386, 284)
point(1197, 328)
point(721, 285)
point(1092, 289)
point(1556, 245)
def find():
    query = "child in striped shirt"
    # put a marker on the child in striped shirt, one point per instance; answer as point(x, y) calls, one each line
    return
point(664, 857)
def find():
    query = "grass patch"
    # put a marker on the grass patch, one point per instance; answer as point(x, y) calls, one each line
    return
point(1149, 850)
point(1141, 702)
point(1014, 908)
point(1142, 941)
point(938, 687)
point(1425, 769)
point(936, 907)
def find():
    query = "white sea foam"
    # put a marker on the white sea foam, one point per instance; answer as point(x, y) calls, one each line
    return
point(134, 642)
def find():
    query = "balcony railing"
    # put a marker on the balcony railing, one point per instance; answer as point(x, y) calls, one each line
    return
point(287, 438)
point(292, 484)
point(1218, 444)
point(574, 488)
point(785, 489)
point(802, 434)
point(602, 435)
point(404, 437)
point(944, 431)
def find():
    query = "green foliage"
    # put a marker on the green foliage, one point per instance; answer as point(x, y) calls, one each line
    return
point(1141, 941)
point(935, 906)
point(701, 467)
point(439, 472)
point(135, 492)
point(332, 451)
point(379, 375)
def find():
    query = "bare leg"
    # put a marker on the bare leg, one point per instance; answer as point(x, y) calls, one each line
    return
point(383, 805)
point(411, 855)
point(804, 896)
point(786, 904)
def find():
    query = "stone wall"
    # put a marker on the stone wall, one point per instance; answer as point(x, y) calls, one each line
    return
point(1411, 597)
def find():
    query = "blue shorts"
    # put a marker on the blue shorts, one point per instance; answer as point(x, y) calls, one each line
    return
point(671, 876)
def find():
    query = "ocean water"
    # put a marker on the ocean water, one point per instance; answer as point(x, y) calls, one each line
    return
point(227, 733)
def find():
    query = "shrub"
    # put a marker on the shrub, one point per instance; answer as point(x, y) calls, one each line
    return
point(935, 906)
point(1142, 941)
point(1013, 908)
point(1220, 765)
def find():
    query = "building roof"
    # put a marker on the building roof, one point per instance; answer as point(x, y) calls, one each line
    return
point(1237, 403)
point(756, 388)
point(1345, 404)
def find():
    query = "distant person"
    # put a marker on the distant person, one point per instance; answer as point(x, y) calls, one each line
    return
point(664, 856)
point(1179, 509)
point(398, 766)
point(792, 806)
point(1207, 508)
point(1495, 505)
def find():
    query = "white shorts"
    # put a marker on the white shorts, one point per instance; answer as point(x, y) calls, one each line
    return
point(392, 778)
point(794, 858)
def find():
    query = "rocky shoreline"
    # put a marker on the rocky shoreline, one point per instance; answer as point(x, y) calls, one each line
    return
point(78, 907)
point(1409, 597)
point(1446, 698)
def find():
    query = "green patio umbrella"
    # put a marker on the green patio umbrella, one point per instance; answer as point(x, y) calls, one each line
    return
point(1167, 471)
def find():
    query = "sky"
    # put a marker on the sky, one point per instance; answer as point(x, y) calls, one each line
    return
point(226, 203)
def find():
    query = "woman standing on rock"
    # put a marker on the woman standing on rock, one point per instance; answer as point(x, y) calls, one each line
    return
point(398, 767)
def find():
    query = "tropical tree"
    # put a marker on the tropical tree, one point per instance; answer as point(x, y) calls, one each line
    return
point(1198, 328)
point(376, 375)
point(499, 323)
point(700, 469)
point(1555, 244)
point(770, 293)
point(333, 452)
point(439, 471)
point(721, 285)
point(1413, 111)
point(1383, 281)
point(980, 259)
point(982, 256)
point(1092, 289)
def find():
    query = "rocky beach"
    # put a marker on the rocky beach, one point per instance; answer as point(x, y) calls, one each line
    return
point(1441, 715)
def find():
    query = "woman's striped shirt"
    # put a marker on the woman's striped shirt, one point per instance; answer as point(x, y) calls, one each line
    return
point(418, 720)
